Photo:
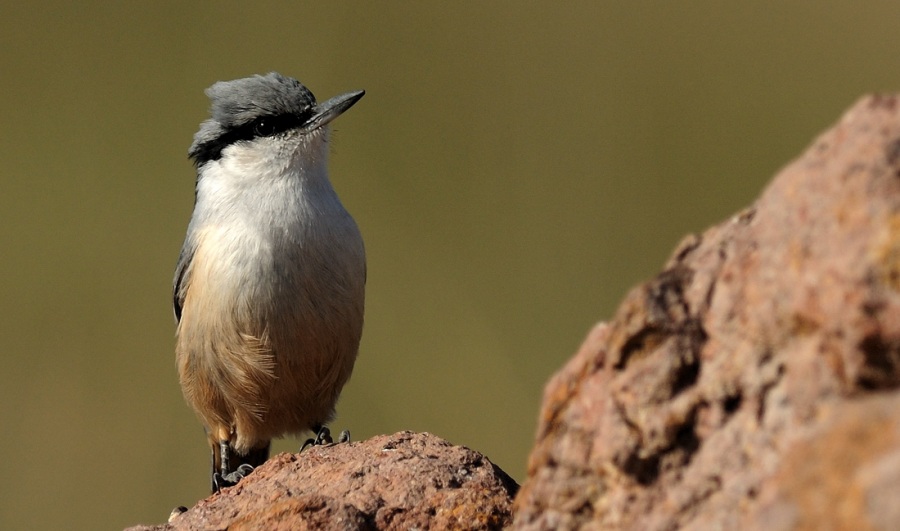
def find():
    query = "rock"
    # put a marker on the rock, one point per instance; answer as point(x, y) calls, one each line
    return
point(401, 481)
point(753, 384)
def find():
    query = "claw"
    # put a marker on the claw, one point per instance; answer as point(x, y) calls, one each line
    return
point(232, 479)
point(323, 437)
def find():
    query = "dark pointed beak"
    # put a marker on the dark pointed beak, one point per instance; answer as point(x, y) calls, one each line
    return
point(327, 111)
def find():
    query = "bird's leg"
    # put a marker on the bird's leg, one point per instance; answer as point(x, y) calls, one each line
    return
point(224, 458)
point(225, 477)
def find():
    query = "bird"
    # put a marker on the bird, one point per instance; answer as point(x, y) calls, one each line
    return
point(269, 287)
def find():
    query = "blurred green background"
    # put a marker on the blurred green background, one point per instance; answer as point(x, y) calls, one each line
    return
point(515, 168)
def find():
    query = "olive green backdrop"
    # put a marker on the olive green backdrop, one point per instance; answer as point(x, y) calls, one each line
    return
point(515, 168)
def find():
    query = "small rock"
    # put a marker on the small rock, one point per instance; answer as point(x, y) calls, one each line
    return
point(401, 481)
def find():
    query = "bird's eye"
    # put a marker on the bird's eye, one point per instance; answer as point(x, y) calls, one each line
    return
point(264, 127)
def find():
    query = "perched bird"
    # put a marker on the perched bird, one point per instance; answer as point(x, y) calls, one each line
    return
point(270, 284)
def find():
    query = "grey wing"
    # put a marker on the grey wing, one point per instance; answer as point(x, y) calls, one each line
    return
point(182, 276)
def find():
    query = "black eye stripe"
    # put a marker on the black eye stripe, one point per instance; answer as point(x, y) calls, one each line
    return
point(261, 127)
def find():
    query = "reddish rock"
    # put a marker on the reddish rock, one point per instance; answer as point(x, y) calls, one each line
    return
point(753, 384)
point(401, 481)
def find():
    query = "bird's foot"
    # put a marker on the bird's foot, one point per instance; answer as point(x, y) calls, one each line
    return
point(323, 437)
point(229, 480)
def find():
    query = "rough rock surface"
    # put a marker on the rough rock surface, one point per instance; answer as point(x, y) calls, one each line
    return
point(753, 384)
point(401, 481)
